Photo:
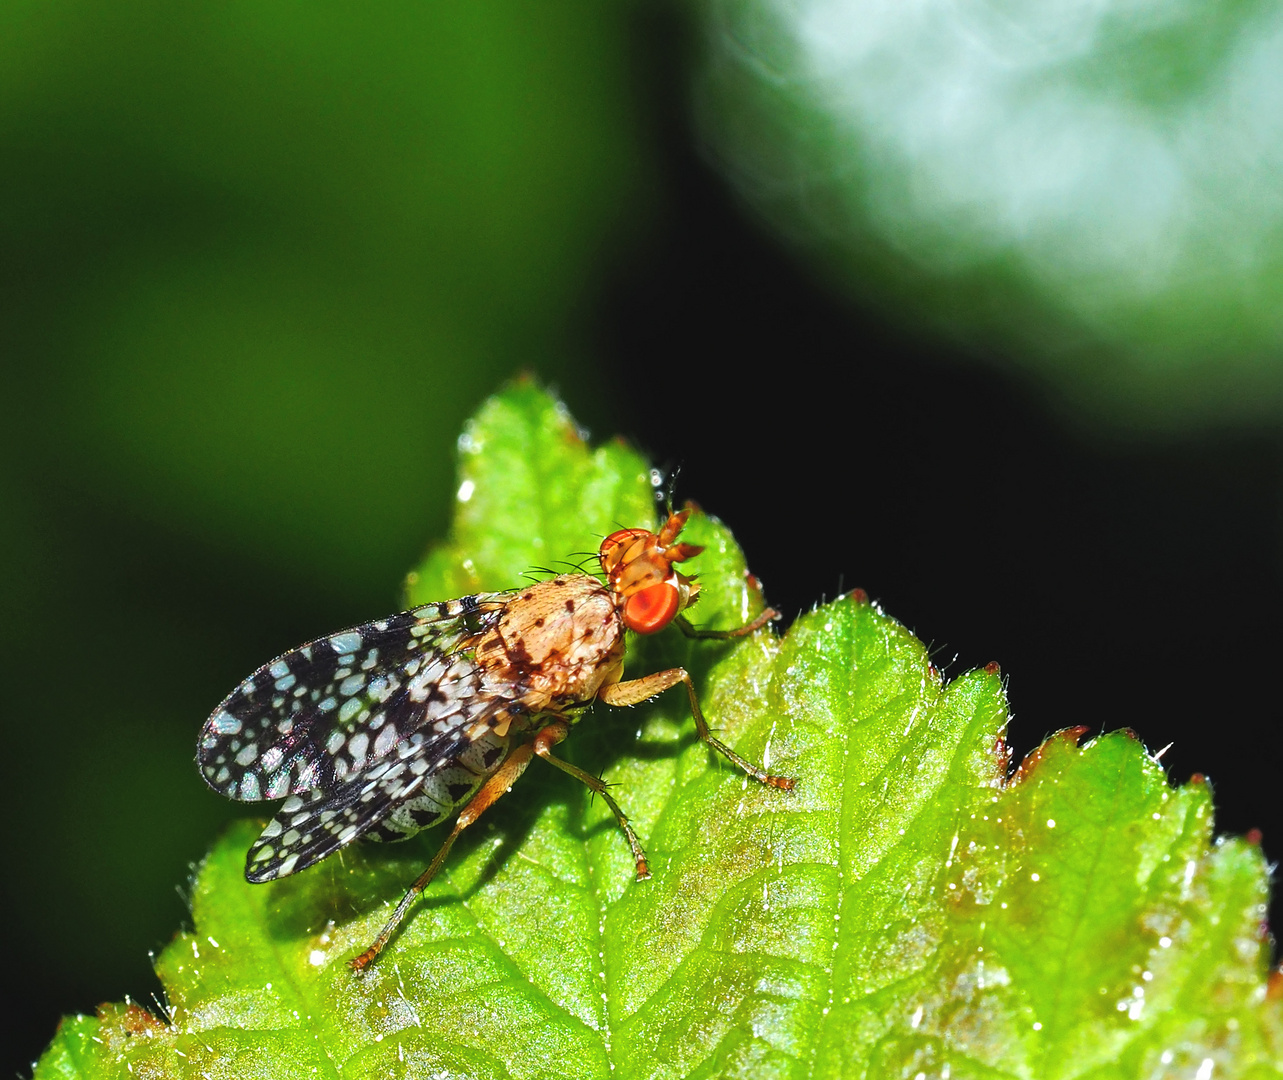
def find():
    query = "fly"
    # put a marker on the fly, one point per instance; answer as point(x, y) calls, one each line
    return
point(386, 728)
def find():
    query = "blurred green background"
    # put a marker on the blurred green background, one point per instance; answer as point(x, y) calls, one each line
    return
point(260, 261)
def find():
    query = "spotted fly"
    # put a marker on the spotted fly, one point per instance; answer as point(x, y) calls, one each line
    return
point(385, 729)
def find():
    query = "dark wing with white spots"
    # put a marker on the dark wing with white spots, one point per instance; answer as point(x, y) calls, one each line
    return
point(311, 826)
point(327, 712)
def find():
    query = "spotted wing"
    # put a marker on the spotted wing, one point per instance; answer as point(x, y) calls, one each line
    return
point(310, 826)
point(327, 712)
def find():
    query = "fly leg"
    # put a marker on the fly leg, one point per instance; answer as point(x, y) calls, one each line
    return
point(549, 737)
point(491, 791)
point(685, 627)
point(635, 691)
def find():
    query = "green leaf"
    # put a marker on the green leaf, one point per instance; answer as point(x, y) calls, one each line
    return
point(910, 910)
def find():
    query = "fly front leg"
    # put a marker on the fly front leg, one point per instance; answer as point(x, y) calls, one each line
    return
point(683, 624)
point(491, 791)
point(549, 737)
point(635, 691)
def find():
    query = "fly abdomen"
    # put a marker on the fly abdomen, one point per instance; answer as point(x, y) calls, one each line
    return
point(443, 791)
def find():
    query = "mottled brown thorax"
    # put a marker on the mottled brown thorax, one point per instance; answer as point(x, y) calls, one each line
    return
point(559, 642)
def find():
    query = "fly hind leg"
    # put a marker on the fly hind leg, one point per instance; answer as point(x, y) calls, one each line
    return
point(549, 737)
point(491, 791)
point(635, 691)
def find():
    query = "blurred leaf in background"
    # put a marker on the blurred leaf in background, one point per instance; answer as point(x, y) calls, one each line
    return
point(259, 261)
point(1090, 191)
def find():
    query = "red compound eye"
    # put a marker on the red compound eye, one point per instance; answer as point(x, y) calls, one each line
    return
point(652, 608)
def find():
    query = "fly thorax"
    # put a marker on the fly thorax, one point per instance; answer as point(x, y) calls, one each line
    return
point(557, 641)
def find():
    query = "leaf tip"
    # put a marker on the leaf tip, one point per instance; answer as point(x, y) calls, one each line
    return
point(130, 1019)
point(993, 668)
point(1068, 737)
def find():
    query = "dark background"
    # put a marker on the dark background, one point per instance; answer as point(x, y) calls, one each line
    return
point(1120, 581)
